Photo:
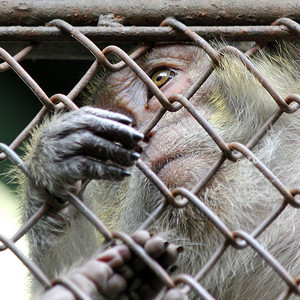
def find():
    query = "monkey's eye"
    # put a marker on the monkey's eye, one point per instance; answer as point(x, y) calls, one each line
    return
point(162, 76)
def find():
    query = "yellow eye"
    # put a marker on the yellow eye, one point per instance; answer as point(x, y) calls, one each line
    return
point(161, 77)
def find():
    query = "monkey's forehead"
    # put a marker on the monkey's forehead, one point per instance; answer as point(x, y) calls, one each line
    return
point(185, 52)
point(176, 56)
point(166, 53)
point(173, 56)
point(180, 50)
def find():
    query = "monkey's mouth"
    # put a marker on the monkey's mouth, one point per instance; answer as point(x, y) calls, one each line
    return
point(175, 166)
point(183, 170)
point(158, 162)
point(157, 166)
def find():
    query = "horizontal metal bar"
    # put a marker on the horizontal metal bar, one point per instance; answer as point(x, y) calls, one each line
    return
point(51, 50)
point(148, 12)
point(146, 34)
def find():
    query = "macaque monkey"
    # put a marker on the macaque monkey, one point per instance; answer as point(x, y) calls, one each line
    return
point(79, 145)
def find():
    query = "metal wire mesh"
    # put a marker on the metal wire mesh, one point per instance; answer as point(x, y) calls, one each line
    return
point(237, 239)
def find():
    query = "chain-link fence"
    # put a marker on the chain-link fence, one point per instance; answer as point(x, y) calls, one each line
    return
point(282, 28)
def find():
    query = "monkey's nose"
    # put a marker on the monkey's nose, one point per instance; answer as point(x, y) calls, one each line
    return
point(148, 136)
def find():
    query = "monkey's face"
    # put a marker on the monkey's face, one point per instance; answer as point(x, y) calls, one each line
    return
point(180, 151)
point(176, 142)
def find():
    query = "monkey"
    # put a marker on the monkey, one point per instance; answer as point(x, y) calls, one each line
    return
point(96, 142)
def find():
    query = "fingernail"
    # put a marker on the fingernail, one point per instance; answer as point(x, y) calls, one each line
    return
point(126, 120)
point(137, 136)
point(135, 155)
point(126, 173)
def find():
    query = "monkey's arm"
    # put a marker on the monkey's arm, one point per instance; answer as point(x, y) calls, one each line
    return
point(85, 144)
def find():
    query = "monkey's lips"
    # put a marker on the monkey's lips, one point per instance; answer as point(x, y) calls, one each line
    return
point(176, 163)
point(180, 170)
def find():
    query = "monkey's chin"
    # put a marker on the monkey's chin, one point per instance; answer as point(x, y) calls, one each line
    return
point(183, 171)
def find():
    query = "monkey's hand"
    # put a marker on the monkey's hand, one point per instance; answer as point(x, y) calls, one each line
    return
point(117, 273)
point(88, 143)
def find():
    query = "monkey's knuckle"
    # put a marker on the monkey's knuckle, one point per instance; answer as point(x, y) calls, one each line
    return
point(83, 165)
point(172, 253)
point(155, 246)
point(113, 256)
point(124, 252)
point(141, 237)
point(97, 270)
point(83, 138)
point(116, 284)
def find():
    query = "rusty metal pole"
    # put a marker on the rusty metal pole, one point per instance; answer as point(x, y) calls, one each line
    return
point(146, 12)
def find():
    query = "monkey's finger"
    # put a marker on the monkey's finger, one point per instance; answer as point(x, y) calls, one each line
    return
point(147, 286)
point(106, 281)
point(98, 272)
point(141, 237)
point(170, 256)
point(98, 112)
point(154, 247)
point(115, 131)
point(80, 168)
point(126, 271)
point(87, 143)
point(106, 128)
point(116, 284)
point(95, 277)
point(157, 247)
point(115, 257)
